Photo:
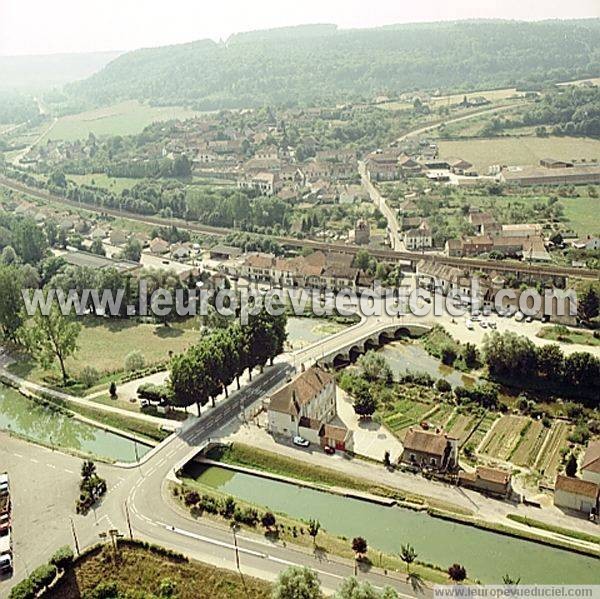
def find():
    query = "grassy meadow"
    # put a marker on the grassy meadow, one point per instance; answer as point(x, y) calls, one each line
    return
point(124, 118)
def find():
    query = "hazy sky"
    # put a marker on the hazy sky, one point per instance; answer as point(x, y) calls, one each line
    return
point(50, 26)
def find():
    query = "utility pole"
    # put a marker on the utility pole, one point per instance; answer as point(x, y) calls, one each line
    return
point(74, 536)
point(234, 528)
point(128, 520)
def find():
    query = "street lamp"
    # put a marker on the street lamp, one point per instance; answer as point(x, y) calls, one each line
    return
point(234, 529)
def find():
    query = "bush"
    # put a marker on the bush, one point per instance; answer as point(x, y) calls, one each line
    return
point(154, 393)
point(448, 355)
point(443, 386)
point(89, 376)
point(134, 361)
point(191, 498)
point(41, 577)
point(62, 557)
point(23, 590)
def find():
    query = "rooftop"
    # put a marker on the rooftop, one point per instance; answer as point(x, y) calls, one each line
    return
point(577, 486)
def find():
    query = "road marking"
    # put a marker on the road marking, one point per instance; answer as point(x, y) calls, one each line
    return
point(33, 460)
point(51, 466)
point(18, 455)
point(69, 471)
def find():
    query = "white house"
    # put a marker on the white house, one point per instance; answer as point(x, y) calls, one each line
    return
point(576, 494)
point(305, 406)
point(590, 465)
point(418, 239)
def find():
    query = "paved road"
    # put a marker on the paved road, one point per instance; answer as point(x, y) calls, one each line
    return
point(379, 200)
point(45, 487)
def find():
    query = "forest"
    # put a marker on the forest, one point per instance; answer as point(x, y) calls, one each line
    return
point(322, 64)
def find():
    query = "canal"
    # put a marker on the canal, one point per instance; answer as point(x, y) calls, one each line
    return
point(487, 556)
point(43, 425)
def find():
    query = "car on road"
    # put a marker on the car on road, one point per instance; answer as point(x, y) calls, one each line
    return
point(6, 564)
point(300, 441)
point(328, 450)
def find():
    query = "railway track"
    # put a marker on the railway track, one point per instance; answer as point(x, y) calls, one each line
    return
point(497, 266)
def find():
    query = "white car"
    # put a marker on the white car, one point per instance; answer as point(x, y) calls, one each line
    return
point(469, 324)
point(483, 324)
point(519, 316)
point(300, 442)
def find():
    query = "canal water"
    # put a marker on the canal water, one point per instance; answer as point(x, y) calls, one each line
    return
point(43, 425)
point(487, 556)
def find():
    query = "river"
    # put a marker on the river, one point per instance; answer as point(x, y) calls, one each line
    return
point(409, 355)
point(487, 556)
point(42, 425)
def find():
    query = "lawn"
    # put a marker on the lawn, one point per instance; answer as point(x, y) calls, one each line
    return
point(519, 150)
point(114, 184)
point(140, 569)
point(582, 213)
point(504, 436)
point(125, 118)
point(104, 344)
point(563, 335)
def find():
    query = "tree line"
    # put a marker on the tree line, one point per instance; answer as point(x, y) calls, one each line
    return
point(205, 370)
point(514, 358)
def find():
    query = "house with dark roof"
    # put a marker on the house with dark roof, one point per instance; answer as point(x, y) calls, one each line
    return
point(305, 407)
point(431, 450)
point(491, 481)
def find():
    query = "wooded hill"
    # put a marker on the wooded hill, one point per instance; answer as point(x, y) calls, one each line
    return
point(321, 63)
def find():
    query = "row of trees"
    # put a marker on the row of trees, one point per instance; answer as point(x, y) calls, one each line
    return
point(512, 357)
point(222, 356)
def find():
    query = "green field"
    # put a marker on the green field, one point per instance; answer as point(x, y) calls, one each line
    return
point(125, 118)
point(513, 151)
point(582, 213)
point(115, 184)
point(105, 343)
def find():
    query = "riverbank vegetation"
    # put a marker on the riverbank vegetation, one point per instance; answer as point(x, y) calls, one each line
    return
point(205, 502)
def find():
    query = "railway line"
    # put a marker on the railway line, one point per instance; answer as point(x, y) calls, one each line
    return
point(470, 264)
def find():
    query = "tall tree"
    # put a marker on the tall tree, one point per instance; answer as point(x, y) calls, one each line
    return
point(297, 583)
point(52, 337)
point(11, 301)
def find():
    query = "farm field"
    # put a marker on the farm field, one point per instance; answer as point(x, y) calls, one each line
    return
point(460, 426)
point(482, 429)
point(503, 437)
point(526, 451)
point(513, 151)
point(404, 414)
point(125, 118)
point(441, 415)
point(549, 460)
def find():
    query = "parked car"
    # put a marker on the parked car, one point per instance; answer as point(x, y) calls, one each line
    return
point(300, 442)
point(483, 324)
point(4, 524)
point(4, 484)
point(144, 403)
point(529, 319)
point(519, 316)
point(328, 450)
point(492, 325)
point(469, 325)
